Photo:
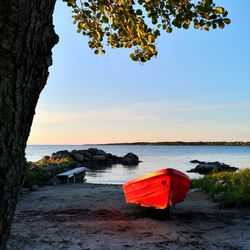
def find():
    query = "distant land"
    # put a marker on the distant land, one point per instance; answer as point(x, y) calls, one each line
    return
point(183, 143)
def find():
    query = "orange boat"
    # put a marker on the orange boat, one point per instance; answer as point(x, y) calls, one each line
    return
point(160, 189)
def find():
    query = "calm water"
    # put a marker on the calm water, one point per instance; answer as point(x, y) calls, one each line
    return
point(153, 157)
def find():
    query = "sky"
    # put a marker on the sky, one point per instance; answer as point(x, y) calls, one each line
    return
point(197, 89)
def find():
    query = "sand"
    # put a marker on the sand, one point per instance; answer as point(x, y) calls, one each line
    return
point(90, 216)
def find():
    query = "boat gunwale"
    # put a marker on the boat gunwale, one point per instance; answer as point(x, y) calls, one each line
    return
point(166, 171)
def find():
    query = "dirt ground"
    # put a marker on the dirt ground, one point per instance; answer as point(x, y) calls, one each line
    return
point(90, 216)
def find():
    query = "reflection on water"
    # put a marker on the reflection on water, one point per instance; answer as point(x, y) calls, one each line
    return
point(115, 174)
point(153, 157)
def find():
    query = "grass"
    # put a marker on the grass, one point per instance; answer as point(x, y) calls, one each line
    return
point(44, 162)
point(228, 189)
point(40, 176)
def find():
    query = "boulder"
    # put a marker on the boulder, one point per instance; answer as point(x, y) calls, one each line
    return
point(43, 162)
point(85, 153)
point(92, 158)
point(109, 156)
point(99, 158)
point(212, 167)
point(93, 151)
point(130, 159)
point(101, 152)
point(115, 159)
point(60, 154)
point(78, 157)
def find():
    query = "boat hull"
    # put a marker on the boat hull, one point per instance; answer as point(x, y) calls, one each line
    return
point(159, 189)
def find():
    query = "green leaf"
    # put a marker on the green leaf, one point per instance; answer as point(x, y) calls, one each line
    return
point(123, 24)
point(154, 21)
point(221, 25)
point(169, 29)
point(227, 21)
point(139, 12)
point(132, 56)
point(220, 10)
point(151, 38)
point(196, 26)
point(105, 19)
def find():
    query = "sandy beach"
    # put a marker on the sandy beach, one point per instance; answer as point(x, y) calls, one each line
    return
point(90, 216)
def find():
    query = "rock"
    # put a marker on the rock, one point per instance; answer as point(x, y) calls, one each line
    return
point(60, 154)
point(85, 153)
point(101, 152)
point(130, 159)
point(93, 151)
point(99, 158)
point(212, 167)
point(114, 157)
point(43, 162)
point(92, 158)
point(78, 157)
point(119, 160)
point(198, 162)
point(109, 155)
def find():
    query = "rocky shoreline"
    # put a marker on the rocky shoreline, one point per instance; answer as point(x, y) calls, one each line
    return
point(89, 158)
point(45, 170)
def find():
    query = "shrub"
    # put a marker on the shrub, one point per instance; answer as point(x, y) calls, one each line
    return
point(38, 176)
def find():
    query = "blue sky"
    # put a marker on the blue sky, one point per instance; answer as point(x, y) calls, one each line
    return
point(197, 89)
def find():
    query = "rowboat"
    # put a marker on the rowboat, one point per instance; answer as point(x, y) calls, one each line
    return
point(159, 189)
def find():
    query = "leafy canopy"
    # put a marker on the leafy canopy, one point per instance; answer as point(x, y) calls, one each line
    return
point(137, 24)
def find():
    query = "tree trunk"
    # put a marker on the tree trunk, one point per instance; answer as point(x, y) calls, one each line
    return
point(26, 39)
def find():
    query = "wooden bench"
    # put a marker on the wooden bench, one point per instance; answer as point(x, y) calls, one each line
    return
point(72, 173)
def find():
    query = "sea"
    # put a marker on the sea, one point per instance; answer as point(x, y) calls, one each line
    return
point(152, 157)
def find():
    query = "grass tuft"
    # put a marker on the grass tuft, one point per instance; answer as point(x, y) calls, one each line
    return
point(228, 189)
point(38, 177)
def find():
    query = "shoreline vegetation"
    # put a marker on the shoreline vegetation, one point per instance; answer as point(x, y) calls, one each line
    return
point(182, 143)
point(225, 188)
point(228, 186)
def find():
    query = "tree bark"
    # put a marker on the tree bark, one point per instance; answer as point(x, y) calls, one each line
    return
point(26, 40)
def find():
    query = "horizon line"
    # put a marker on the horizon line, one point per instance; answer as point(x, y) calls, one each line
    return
point(137, 142)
